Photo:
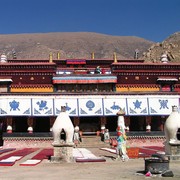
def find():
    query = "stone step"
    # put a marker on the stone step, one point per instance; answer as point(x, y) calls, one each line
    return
point(92, 141)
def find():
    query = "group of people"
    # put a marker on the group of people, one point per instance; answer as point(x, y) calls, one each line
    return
point(105, 137)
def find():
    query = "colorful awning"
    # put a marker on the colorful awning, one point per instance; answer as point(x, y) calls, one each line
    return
point(84, 79)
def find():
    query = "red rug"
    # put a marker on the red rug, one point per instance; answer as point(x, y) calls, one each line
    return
point(147, 151)
point(44, 154)
point(6, 150)
point(7, 161)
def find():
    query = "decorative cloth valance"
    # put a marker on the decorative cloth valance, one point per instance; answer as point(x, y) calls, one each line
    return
point(84, 79)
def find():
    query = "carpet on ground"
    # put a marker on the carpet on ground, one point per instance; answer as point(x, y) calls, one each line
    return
point(79, 154)
point(30, 162)
point(147, 151)
point(139, 152)
point(88, 156)
point(43, 154)
point(11, 158)
point(6, 150)
point(7, 163)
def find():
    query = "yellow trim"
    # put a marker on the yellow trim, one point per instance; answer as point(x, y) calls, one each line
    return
point(143, 89)
point(120, 89)
point(127, 89)
point(31, 90)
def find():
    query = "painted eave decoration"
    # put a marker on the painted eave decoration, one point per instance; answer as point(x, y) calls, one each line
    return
point(84, 79)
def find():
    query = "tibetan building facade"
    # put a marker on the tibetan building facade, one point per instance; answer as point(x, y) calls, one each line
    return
point(93, 91)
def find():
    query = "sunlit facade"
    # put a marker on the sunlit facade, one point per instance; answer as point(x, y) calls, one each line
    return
point(93, 90)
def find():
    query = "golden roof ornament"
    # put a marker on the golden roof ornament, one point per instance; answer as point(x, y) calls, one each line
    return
point(58, 55)
point(50, 57)
point(92, 55)
point(115, 57)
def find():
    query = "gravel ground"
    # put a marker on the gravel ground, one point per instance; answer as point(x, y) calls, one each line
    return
point(111, 169)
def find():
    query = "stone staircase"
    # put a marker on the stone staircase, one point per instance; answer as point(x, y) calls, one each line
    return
point(88, 141)
point(92, 142)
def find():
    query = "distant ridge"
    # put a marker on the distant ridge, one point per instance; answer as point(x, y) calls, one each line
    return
point(170, 46)
point(72, 45)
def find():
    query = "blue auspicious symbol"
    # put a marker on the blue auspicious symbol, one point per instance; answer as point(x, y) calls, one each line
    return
point(42, 105)
point(163, 104)
point(14, 105)
point(90, 104)
point(67, 107)
point(115, 107)
point(137, 104)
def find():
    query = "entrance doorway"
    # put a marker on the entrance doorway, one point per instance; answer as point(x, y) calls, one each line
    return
point(42, 124)
point(89, 124)
point(137, 123)
point(111, 123)
point(20, 124)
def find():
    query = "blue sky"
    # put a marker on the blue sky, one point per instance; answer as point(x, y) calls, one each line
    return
point(154, 20)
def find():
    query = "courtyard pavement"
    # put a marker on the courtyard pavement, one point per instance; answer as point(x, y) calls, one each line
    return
point(111, 169)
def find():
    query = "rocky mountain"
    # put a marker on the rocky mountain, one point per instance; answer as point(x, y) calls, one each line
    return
point(73, 45)
point(170, 46)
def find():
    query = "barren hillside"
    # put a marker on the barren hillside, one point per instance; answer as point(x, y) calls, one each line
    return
point(71, 45)
point(170, 46)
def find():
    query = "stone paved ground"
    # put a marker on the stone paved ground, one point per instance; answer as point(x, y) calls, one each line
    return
point(82, 171)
